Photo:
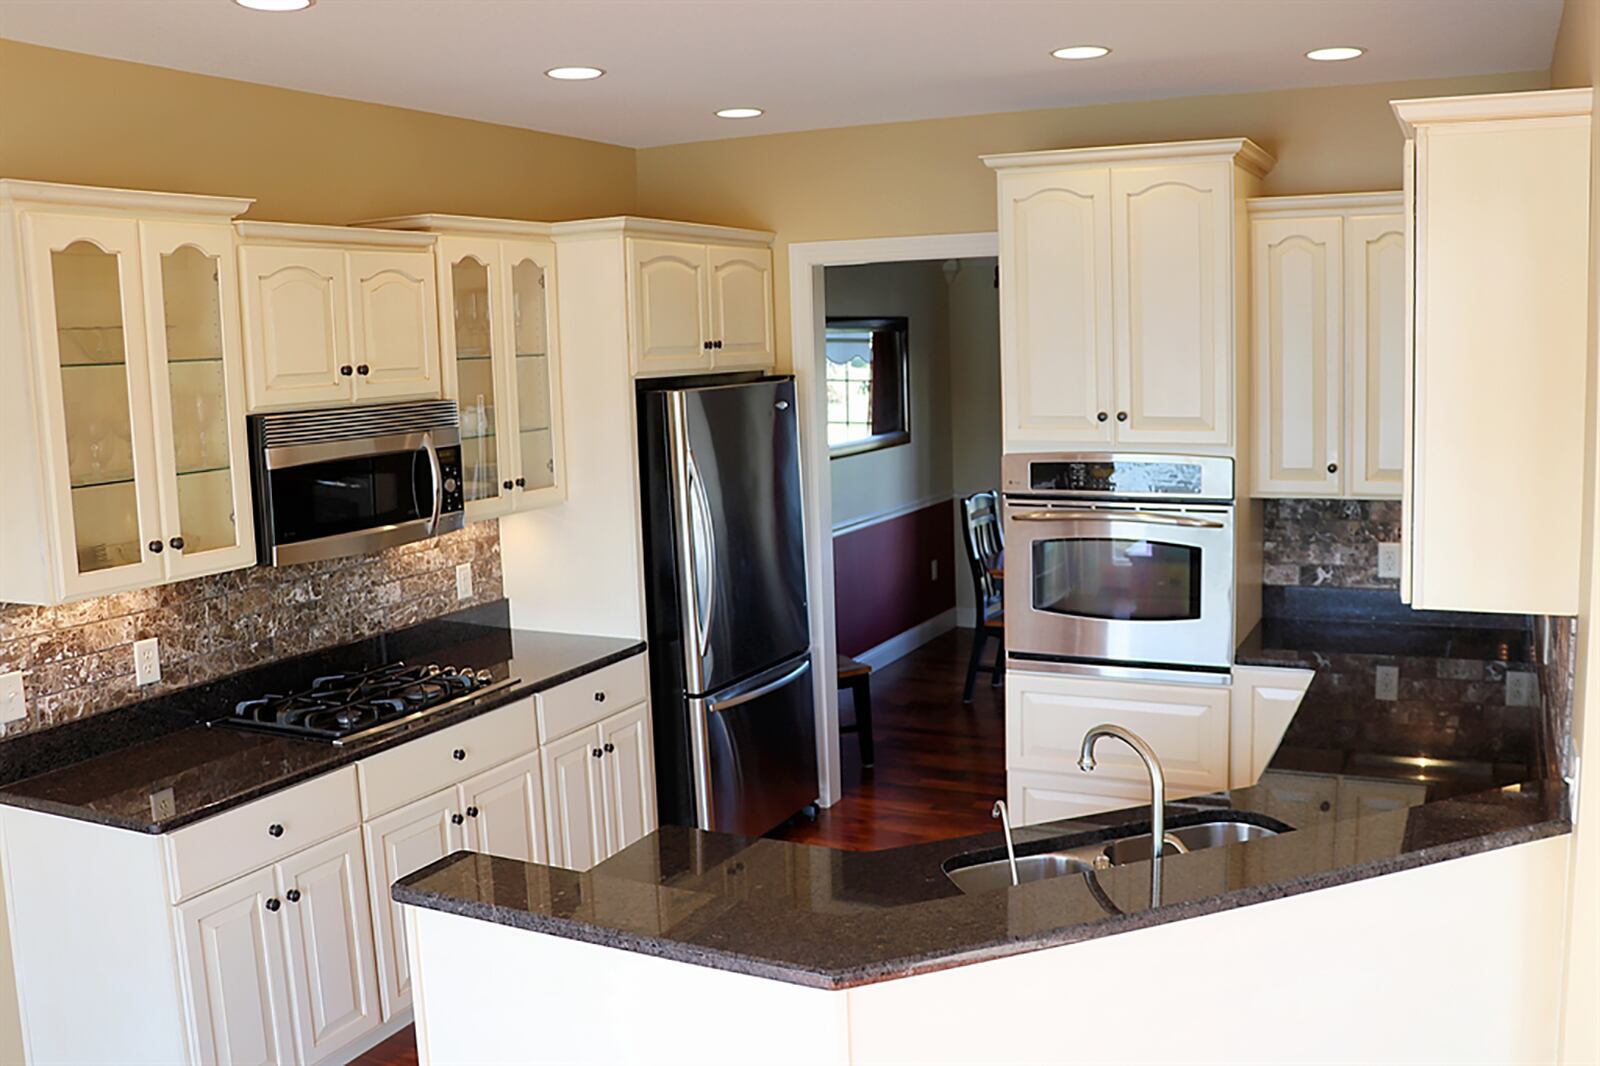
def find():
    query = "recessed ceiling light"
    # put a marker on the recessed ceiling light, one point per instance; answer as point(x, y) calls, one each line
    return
point(275, 5)
point(1082, 51)
point(1334, 55)
point(574, 73)
point(740, 112)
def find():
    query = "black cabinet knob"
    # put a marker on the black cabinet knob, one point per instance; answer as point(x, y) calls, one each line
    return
point(177, 544)
point(274, 830)
point(472, 812)
point(459, 755)
point(1101, 417)
point(599, 697)
point(507, 484)
point(363, 369)
point(273, 904)
point(706, 345)
point(456, 819)
point(155, 547)
point(598, 753)
point(345, 371)
point(522, 482)
point(1325, 806)
point(293, 895)
point(1333, 468)
point(1122, 416)
point(610, 747)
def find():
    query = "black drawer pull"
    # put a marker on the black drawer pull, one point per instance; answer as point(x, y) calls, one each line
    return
point(459, 755)
point(275, 830)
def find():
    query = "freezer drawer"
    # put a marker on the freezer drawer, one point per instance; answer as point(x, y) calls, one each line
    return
point(758, 743)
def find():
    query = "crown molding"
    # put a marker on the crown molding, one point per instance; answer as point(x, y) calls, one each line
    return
point(460, 225)
point(1492, 107)
point(301, 233)
point(55, 194)
point(1239, 150)
point(633, 226)
point(1344, 203)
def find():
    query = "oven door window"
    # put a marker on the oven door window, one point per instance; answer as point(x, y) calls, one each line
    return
point(1123, 580)
point(337, 496)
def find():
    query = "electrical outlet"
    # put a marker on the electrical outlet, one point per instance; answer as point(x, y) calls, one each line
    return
point(163, 805)
point(464, 581)
point(1389, 560)
point(1522, 688)
point(146, 661)
point(933, 574)
point(1388, 683)
point(13, 700)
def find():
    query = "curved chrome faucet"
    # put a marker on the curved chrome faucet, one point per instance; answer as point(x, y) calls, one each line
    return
point(1005, 823)
point(1158, 792)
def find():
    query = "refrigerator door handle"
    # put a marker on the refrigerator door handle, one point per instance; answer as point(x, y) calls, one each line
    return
point(705, 570)
point(756, 693)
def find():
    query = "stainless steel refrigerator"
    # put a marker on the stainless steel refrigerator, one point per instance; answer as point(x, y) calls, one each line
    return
point(730, 663)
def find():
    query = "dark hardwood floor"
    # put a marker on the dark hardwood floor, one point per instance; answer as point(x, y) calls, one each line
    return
point(940, 767)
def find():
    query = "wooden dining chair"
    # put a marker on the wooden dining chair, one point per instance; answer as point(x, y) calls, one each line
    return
point(980, 529)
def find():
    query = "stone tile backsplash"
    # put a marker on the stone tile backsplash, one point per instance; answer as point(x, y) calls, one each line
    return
point(77, 659)
point(1332, 543)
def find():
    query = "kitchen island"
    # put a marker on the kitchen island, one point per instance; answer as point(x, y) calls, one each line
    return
point(1401, 905)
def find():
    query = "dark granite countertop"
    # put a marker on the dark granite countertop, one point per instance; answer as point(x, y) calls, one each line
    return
point(1368, 786)
point(104, 769)
point(835, 919)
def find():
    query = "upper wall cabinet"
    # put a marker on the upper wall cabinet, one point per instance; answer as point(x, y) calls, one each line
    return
point(337, 315)
point(121, 391)
point(699, 297)
point(1329, 345)
point(1121, 294)
point(497, 317)
point(1497, 194)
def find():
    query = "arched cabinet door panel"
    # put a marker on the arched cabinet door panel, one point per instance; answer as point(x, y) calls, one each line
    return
point(1375, 337)
point(297, 330)
point(394, 330)
point(670, 317)
point(741, 307)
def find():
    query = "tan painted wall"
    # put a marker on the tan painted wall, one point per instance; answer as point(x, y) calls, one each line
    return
point(306, 158)
point(925, 177)
point(1573, 64)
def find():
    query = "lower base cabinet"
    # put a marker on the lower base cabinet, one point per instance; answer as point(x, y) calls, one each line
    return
point(600, 788)
point(280, 961)
point(399, 843)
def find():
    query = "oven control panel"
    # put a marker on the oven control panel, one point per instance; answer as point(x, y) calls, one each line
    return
point(1125, 475)
point(450, 472)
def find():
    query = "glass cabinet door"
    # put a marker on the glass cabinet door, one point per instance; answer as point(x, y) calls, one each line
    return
point(196, 382)
point(473, 336)
point(538, 405)
point(85, 285)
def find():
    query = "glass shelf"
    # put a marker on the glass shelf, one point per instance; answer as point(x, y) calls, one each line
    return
point(76, 485)
point(465, 357)
point(532, 355)
point(477, 436)
point(204, 470)
point(536, 429)
point(193, 359)
point(92, 365)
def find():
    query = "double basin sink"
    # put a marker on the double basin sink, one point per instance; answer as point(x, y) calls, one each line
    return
point(980, 872)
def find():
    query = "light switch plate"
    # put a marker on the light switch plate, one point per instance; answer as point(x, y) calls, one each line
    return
point(1389, 560)
point(146, 661)
point(463, 581)
point(163, 805)
point(13, 699)
point(1522, 688)
point(1388, 683)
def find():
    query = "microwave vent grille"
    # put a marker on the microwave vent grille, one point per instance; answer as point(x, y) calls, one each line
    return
point(353, 423)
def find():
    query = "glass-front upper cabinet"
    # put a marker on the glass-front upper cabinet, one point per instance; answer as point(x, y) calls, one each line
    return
point(506, 376)
point(197, 396)
point(122, 442)
point(96, 436)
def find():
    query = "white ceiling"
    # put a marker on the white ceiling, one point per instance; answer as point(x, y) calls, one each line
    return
point(810, 63)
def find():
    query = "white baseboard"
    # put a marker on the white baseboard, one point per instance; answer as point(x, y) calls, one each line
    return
point(966, 617)
point(902, 644)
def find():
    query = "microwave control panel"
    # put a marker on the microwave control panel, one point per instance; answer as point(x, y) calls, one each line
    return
point(1116, 477)
point(450, 473)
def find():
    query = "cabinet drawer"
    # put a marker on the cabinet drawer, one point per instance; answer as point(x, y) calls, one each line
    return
point(590, 698)
point(1035, 797)
point(430, 763)
point(235, 842)
point(1187, 725)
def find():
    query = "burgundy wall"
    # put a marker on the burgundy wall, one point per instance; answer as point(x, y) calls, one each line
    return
point(882, 583)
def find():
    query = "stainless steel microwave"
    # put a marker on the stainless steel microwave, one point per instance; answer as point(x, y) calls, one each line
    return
point(353, 480)
point(1120, 560)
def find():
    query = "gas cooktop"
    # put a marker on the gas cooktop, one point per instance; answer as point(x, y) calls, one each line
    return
point(343, 707)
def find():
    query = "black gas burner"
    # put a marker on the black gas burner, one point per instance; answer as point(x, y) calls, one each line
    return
point(341, 707)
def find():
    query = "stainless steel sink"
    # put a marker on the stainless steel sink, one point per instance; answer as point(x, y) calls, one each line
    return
point(1188, 838)
point(988, 876)
point(1065, 862)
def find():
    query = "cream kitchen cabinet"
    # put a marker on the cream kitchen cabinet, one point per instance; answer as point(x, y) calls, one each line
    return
point(399, 843)
point(1329, 343)
point(497, 318)
point(601, 788)
point(121, 392)
point(336, 315)
point(1122, 297)
point(1497, 195)
point(699, 307)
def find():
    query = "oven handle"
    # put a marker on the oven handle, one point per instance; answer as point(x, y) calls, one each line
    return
point(438, 481)
point(1148, 518)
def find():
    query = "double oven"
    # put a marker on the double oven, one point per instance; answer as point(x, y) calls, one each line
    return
point(1119, 563)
